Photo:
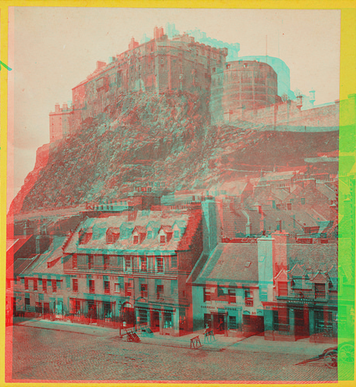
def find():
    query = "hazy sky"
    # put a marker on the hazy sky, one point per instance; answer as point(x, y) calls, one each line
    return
point(56, 48)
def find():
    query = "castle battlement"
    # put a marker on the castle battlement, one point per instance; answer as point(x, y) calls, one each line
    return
point(159, 65)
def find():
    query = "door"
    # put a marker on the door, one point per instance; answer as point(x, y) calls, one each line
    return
point(155, 322)
point(92, 314)
point(219, 323)
point(301, 323)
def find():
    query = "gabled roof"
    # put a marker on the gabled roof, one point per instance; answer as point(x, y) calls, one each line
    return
point(231, 262)
point(282, 276)
point(319, 277)
point(140, 229)
point(166, 229)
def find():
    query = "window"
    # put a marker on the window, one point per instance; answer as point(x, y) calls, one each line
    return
point(54, 286)
point(135, 239)
point(44, 285)
point(26, 283)
point(90, 262)
point(106, 262)
point(167, 319)
point(128, 289)
point(207, 295)
point(302, 200)
point(289, 206)
point(149, 234)
point(174, 263)
point(91, 286)
point(35, 287)
point(107, 287)
point(232, 322)
point(27, 303)
point(281, 320)
point(127, 263)
point(117, 288)
point(144, 293)
point(75, 285)
point(176, 234)
point(162, 239)
point(248, 298)
point(74, 261)
point(160, 289)
point(283, 289)
point(143, 263)
point(159, 261)
point(232, 296)
point(320, 291)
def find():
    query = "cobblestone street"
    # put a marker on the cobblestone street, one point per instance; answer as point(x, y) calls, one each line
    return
point(44, 354)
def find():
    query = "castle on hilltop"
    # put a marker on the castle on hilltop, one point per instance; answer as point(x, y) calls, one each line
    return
point(253, 89)
point(160, 65)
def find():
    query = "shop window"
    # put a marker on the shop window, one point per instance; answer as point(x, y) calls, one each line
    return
point(160, 290)
point(232, 296)
point(107, 287)
point(75, 284)
point(143, 316)
point(91, 286)
point(54, 286)
point(159, 263)
point(232, 322)
point(282, 289)
point(167, 319)
point(107, 310)
point(144, 292)
point(320, 291)
point(281, 320)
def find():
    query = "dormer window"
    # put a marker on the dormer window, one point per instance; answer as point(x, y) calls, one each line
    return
point(135, 239)
point(320, 291)
point(149, 234)
point(85, 236)
point(176, 234)
point(162, 239)
point(112, 235)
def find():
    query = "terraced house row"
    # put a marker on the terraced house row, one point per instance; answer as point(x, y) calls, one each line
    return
point(162, 269)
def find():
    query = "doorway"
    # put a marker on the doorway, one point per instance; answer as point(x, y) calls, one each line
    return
point(301, 323)
point(155, 321)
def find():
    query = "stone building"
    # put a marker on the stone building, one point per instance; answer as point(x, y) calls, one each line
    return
point(159, 65)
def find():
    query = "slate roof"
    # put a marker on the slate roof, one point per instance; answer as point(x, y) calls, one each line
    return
point(231, 262)
point(189, 219)
point(49, 262)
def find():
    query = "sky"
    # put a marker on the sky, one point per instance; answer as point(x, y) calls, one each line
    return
point(55, 48)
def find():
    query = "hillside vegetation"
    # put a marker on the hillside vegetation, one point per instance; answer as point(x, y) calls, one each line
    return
point(159, 140)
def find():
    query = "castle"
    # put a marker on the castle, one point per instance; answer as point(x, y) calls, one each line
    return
point(253, 89)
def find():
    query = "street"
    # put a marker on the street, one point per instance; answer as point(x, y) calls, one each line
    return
point(44, 354)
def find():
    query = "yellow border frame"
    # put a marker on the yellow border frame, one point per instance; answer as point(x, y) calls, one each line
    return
point(347, 86)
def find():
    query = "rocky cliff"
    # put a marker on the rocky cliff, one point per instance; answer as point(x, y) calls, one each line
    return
point(160, 141)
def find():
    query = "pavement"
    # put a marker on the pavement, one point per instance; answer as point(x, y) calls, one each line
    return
point(221, 343)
